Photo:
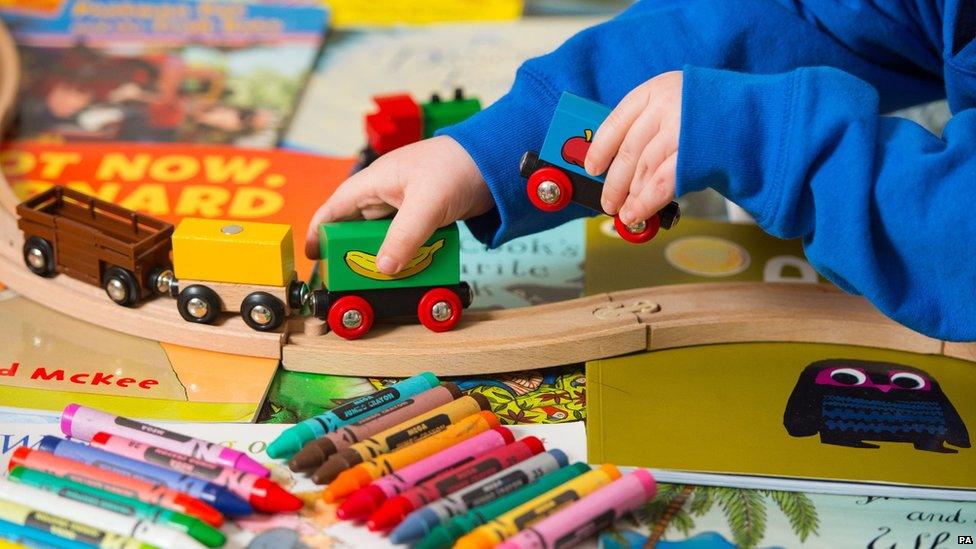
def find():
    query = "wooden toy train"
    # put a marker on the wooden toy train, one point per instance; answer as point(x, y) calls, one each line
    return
point(556, 175)
point(241, 267)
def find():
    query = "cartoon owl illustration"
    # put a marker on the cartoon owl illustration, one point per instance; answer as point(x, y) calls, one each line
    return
point(852, 401)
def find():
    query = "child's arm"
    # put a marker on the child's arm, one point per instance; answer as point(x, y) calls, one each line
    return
point(884, 207)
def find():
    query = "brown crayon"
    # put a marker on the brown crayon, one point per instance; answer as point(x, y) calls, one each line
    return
point(315, 452)
point(400, 435)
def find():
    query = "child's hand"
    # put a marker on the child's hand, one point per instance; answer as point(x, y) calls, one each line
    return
point(428, 184)
point(639, 143)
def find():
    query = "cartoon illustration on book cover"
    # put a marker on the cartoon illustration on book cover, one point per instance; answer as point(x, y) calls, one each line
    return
point(850, 402)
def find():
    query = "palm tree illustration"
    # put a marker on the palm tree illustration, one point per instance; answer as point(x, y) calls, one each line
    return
point(676, 505)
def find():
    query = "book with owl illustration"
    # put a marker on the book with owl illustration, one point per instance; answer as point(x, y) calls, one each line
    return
point(802, 411)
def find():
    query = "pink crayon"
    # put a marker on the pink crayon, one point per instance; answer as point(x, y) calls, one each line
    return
point(364, 501)
point(263, 494)
point(83, 423)
point(588, 516)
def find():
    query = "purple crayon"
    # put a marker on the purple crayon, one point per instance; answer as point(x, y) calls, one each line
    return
point(83, 423)
point(588, 516)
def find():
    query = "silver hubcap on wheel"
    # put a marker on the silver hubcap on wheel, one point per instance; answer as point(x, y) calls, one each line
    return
point(262, 315)
point(441, 311)
point(164, 281)
point(116, 289)
point(548, 192)
point(352, 319)
point(36, 258)
point(637, 227)
point(197, 307)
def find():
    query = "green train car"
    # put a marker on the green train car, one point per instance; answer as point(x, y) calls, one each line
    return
point(356, 293)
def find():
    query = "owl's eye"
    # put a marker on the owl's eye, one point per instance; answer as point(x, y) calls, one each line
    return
point(848, 376)
point(908, 380)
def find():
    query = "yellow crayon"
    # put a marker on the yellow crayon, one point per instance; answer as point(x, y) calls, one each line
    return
point(68, 529)
point(364, 473)
point(508, 524)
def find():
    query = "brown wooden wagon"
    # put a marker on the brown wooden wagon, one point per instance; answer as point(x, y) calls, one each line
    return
point(69, 232)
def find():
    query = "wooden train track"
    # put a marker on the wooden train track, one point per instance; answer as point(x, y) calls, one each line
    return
point(593, 327)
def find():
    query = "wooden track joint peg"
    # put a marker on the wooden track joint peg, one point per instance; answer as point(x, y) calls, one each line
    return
point(314, 326)
point(617, 310)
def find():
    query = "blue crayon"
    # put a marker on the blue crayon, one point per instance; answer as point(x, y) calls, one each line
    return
point(38, 539)
point(292, 439)
point(222, 499)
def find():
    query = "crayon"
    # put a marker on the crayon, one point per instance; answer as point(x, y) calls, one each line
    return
point(123, 505)
point(82, 423)
point(420, 523)
point(8, 544)
point(364, 501)
point(446, 534)
point(65, 528)
point(218, 496)
point(149, 492)
point(263, 494)
point(401, 435)
point(315, 452)
point(143, 530)
point(588, 516)
point(364, 473)
point(395, 509)
point(291, 441)
point(26, 536)
point(510, 523)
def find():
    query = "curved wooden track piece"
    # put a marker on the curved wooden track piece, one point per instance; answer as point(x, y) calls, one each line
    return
point(609, 325)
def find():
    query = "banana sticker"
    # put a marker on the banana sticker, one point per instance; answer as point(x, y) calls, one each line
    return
point(364, 264)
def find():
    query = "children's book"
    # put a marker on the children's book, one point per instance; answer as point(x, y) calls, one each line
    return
point(209, 71)
point(48, 360)
point(315, 526)
point(687, 516)
point(171, 181)
point(696, 250)
point(829, 418)
point(551, 395)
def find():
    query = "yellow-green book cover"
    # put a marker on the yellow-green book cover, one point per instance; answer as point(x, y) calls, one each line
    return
point(806, 411)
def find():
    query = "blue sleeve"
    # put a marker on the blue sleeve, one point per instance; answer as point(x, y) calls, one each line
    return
point(882, 205)
point(606, 61)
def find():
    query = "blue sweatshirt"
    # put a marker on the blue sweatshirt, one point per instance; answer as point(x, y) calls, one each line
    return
point(781, 113)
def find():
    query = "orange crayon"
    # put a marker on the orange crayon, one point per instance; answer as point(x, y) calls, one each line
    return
point(364, 473)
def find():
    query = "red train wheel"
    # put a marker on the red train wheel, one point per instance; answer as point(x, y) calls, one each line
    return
point(350, 317)
point(639, 234)
point(439, 310)
point(549, 189)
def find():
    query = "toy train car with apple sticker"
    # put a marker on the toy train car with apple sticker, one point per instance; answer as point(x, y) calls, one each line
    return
point(556, 176)
point(399, 120)
point(241, 267)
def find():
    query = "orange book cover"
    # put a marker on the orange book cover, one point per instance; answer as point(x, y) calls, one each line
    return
point(173, 181)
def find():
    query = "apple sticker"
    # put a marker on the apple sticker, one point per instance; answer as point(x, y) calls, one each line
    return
point(575, 148)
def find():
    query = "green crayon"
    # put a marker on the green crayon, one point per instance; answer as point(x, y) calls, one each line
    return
point(82, 493)
point(444, 536)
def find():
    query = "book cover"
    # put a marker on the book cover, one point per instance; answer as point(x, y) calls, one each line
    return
point(804, 411)
point(696, 250)
point(48, 360)
point(684, 516)
point(209, 71)
point(173, 181)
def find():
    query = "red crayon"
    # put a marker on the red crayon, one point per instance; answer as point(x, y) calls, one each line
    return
point(155, 494)
point(395, 509)
point(263, 494)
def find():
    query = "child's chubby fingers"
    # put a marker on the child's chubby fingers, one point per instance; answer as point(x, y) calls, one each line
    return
point(610, 135)
point(654, 193)
point(628, 161)
point(356, 198)
point(419, 216)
